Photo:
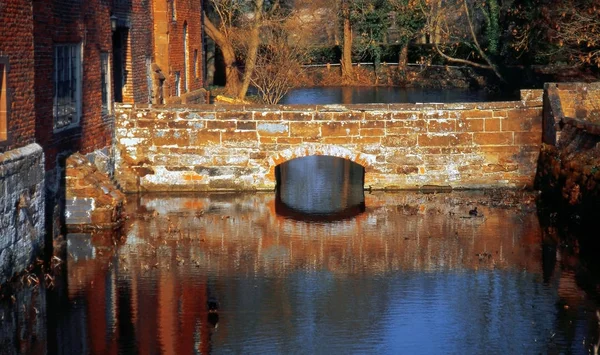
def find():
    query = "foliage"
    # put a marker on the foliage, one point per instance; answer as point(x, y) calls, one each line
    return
point(409, 18)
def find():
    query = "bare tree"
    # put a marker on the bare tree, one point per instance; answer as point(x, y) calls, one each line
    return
point(238, 35)
point(454, 19)
point(277, 67)
point(223, 33)
point(577, 31)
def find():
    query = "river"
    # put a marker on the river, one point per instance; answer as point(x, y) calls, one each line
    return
point(387, 94)
point(382, 272)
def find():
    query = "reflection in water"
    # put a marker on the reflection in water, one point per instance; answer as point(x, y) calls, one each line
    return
point(385, 94)
point(320, 187)
point(223, 273)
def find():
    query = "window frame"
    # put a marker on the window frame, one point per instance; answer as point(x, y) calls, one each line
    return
point(177, 83)
point(106, 83)
point(75, 79)
point(4, 99)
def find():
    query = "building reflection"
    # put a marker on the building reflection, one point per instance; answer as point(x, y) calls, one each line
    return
point(151, 293)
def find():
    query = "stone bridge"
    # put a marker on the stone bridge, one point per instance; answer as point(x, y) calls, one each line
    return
point(401, 146)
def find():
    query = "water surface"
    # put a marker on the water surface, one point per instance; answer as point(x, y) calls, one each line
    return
point(385, 94)
point(413, 273)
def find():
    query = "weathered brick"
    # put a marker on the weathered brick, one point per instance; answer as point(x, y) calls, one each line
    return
point(340, 129)
point(372, 132)
point(492, 124)
point(493, 138)
point(477, 114)
point(204, 137)
point(437, 126)
point(400, 141)
point(267, 116)
point(297, 116)
point(246, 126)
point(172, 137)
point(221, 125)
point(470, 125)
point(305, 129)
point(234, 115)
point(444, 140)
point(372, 124)
point(528, 138)
point(273, 129)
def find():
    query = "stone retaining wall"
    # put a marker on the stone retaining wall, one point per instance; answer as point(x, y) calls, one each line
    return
point(569, 166)
point(22, 202)
point(401, 146)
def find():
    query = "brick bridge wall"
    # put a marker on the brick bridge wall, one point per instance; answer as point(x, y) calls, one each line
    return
point(401, 146)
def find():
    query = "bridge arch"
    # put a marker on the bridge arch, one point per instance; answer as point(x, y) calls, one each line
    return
point(367, 161)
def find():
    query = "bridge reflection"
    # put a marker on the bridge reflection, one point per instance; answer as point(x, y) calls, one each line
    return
point(319, 188)
point(152, 291)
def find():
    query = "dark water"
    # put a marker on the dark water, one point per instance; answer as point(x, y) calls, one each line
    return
point(411, 273)
point(333, 189)
point(359, 95)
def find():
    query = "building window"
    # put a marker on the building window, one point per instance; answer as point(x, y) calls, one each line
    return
point(186, 58)
point(173, 10)
point(105, 79)
point(177, 84)
point(196, 63)
point(67, 85)
point(4, 106)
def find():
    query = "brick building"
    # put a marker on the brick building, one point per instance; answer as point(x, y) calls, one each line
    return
point(63, 64)
point(178, 43)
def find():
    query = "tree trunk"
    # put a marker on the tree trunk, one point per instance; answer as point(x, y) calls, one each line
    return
point(347, 49)
point(252, 51)
point(403, 57)
point(232, 79)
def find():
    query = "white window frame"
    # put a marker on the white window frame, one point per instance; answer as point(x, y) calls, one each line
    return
point(105, 73)
point(177, 83)
point(64, 116)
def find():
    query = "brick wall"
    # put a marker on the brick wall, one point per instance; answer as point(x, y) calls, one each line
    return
point(401, 146)
point(16, 56)
point(136, 17)
point(70, 22)
point(169, 44)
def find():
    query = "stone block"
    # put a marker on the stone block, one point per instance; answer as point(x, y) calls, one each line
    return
point(275, 129)
point(234, 115)
point(221, 125)
point(492, 124)
point(376, 116)
point(493, 138)
point(205, 137)
point(444, 140)
point(339, 129)
point(239, 138)
point(400, 141)
point(267, 116)
point(470, 125)
point(246, 126)
point(438, 126)
point(305, 129)
point(171, 137)
point(297, 116)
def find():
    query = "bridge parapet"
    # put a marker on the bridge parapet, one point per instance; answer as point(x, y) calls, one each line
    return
point(401, 146)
